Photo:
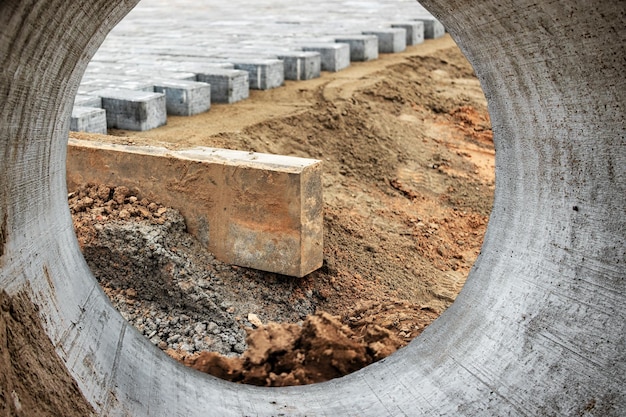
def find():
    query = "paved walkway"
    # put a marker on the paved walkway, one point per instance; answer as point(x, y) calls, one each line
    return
point(179, 40)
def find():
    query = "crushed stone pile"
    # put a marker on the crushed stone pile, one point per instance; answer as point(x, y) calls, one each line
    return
point(210, 315)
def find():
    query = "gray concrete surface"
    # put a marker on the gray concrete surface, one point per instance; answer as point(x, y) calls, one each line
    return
point(133, 110)
point(301, 65)
point(433, 28)
point(263, 74)
point(152, 41)
point(227, 85)
point(539, 326)
point(334, 56)
point(390, 40)
point(362, 47)
point(88, 119)
point(87, 101)
point(182, 97)
point(414, 32)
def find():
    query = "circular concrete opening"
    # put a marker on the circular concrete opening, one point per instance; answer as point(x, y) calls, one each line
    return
point(401, 232)
point(538, 328)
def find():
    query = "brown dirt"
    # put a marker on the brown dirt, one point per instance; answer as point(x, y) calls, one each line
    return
point(33, 380)
point(408, 186)
point(322, 348)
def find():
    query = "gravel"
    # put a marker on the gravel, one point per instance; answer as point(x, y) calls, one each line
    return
point(167, 285)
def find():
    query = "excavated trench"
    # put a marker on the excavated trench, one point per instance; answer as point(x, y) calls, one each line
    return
point(538, 328)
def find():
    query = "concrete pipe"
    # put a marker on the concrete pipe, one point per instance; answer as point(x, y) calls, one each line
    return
point(539, 328)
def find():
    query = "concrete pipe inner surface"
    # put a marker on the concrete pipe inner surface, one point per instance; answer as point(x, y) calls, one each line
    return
point(539, 327)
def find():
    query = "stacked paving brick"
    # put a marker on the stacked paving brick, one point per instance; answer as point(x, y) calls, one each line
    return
point(151, 65)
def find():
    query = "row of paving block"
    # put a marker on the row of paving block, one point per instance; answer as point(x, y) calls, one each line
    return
point(136, 87)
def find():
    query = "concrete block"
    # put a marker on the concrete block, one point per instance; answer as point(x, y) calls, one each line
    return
point(263, 74)
point(391, 40)
point(184, 98)
point(227, 85)
point(433, 28)
point(301, 65)
point(254, 210)
point(88, 86)
point(362, 47)
point(87, 101)
point(414, 32)
point(161, 74)
point(133, 110)
point(88, 119)
point(128, 82)
point(334, 56)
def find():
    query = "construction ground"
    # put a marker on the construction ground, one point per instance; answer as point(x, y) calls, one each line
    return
point(408, 181)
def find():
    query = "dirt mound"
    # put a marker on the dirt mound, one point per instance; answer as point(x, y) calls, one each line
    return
point(164, 282)
point(322, 348)
point(408, 186)
point(33, 380)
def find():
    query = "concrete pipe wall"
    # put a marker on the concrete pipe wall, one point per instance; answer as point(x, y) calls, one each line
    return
point(539, 328)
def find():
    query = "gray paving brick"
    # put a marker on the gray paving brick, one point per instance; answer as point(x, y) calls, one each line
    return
point(133, 110)
point(433, 29)
point(301, 65)
point(188, 40)
point(362, 47)
point(414, 31)
point(182, 97)
point(334, 56)
point(263, 74)
point(227, 85)
point(87, 101)
point(390, 40)
point(88, 119)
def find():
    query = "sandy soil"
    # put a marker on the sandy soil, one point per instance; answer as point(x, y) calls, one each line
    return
point(33, 380)
point(408, 186)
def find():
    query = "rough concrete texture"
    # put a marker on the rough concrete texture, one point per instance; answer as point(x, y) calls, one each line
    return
point(362, 47)
point(184, 98)
point(254, 210)
point(88, 119)
point(87, 101)
point(334, 56)
point(539, 326)
point(414, 32)
point(389, 40)
point(301, 65)
point(433, 28)
point(89, 86)
point(263, 74)
point(133, 110)
point(227, 85)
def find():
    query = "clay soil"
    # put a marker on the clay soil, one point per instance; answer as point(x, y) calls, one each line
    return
point(408, 186)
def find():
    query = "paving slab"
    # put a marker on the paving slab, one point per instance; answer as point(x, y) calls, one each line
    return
point(133, 110)
point(301, 65)
point(254, 210)
point(88, 119)
point(390, 40)
point(182, 97)
point(227, 85)
point(433, 28)
point(263, 74)
point(362, 47)
point(88, 86)
point(155, 41)
point(333, 56)
point(87, 101)
point(414, 31)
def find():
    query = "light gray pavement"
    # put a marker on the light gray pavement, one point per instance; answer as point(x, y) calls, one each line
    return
point(538, 329)
point(181, 39)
